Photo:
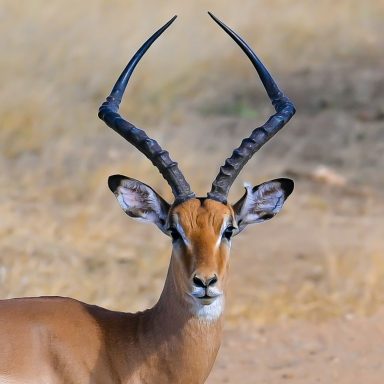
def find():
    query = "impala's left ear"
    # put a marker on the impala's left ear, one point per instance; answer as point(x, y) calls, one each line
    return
point(262, 202)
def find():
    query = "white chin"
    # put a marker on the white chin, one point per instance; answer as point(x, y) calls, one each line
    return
point(208, 312)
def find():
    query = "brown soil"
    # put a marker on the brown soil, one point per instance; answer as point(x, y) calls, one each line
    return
point(343, 351)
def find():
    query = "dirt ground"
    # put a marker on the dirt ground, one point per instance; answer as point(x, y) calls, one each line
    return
point(306, 291)
point(342, 351)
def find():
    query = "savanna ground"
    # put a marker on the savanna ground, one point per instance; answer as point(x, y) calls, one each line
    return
point(306, 294)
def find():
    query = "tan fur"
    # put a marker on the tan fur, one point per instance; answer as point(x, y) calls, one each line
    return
point(63, 341)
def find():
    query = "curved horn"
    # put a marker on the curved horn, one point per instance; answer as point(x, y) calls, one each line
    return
point(249, 146)
point(108, 112)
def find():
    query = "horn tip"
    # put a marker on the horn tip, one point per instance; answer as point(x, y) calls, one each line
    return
point(218, 21)
point(169, 23)
point(212, 15)
point(173, 19)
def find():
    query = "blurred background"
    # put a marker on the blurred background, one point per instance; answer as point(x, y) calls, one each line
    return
point(61, 230)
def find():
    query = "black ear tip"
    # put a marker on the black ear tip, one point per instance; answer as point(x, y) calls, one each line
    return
point(287, 185)
point(114, 182)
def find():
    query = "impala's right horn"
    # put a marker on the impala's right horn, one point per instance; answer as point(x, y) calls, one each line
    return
point(108, 112)
point(249, 146)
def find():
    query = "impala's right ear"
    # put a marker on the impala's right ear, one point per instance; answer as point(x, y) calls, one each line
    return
point(139, 201)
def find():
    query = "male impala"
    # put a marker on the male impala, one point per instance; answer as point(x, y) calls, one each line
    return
point(61, 340)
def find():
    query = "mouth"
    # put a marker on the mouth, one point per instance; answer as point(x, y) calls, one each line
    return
point(206, 299)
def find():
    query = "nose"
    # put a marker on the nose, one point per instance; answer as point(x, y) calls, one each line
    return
point(204, 282)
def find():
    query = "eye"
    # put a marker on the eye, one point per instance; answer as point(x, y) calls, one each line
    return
point(227, 234)
point(174, 234)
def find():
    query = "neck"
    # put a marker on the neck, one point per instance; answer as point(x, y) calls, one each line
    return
point(186, 343)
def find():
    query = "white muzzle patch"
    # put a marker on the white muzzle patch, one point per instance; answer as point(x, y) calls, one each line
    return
point(207, 312)
point(211, 311)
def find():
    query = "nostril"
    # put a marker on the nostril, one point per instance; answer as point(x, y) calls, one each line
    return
point(212, 281)
point(198, 282)
point(204, 283)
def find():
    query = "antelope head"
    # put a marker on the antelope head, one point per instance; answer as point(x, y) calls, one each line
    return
point(201, 228)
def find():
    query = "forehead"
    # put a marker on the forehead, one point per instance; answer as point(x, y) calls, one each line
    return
point(202, 212)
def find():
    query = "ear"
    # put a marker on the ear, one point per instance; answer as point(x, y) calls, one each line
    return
point(262, 202)
point(139, 201)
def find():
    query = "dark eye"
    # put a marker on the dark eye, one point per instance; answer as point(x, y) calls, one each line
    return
point(174, 234)
point(227, 234)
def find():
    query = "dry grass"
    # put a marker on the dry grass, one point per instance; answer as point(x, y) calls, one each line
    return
point(62, 233)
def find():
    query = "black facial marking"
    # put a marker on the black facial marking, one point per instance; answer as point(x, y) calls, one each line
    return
point(227, 234)
point(174, 234)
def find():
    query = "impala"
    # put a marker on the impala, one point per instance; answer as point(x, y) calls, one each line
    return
point(62, 340)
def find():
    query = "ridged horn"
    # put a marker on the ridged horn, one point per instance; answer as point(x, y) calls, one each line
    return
point(108, 112)
point(249, 146)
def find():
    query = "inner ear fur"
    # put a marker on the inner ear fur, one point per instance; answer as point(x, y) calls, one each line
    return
point(262, 202)
point(139, 200)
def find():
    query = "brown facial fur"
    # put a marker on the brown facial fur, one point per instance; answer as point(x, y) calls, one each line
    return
point(205, 254)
